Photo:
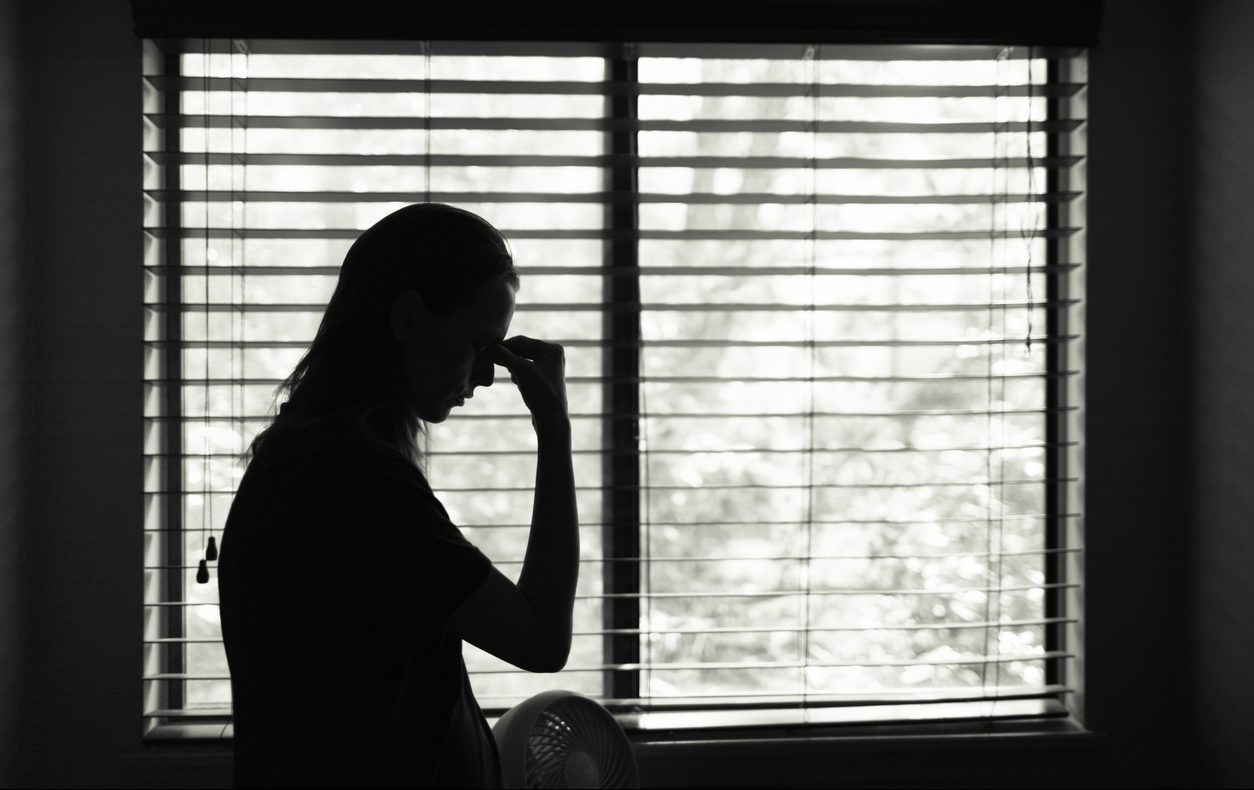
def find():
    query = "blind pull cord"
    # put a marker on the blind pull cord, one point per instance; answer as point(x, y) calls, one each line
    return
point(206, 503)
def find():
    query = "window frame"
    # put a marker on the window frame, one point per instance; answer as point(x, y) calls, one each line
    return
point(622, 471)
point(621, 365)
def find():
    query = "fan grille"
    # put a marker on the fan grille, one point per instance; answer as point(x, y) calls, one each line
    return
point(576, 743)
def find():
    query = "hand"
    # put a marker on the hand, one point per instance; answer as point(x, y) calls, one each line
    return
point(539, 370)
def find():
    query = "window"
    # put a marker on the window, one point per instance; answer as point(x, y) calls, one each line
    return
point(820, 305)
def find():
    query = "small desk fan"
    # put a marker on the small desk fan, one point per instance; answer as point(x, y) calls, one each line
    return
point(563, 739)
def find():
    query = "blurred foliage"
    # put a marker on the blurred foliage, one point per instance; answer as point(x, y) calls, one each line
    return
point(819, 535)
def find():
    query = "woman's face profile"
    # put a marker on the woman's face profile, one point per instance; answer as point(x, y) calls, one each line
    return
point(443, 356)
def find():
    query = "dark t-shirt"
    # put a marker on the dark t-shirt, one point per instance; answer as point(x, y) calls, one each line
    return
point(338, 571)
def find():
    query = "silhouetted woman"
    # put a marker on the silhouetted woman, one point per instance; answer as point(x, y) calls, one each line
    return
point(346, 591)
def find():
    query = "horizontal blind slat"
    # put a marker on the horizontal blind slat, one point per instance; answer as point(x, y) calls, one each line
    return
point(819, 487)
point(601, 88)
point(643, 271)
point(240, 84)
point(761, 523)
point(488, 123)
point(856, 52)
point(689, 343)
point(901, 413)
point(193, 308)
point(939, 378)
point(764, 50)
point(797, 451)
point(815, 558)
point(644, 198)
point(604, 161)
point(606, 234)
point(766, 486)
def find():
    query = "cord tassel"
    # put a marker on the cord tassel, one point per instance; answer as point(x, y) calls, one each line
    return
point(211, 553)
point(202, 574)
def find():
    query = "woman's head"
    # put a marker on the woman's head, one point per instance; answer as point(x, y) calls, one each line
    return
point(442, 352)
point(421, 293)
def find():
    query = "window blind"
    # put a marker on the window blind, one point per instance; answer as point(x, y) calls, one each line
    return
point(821, 305)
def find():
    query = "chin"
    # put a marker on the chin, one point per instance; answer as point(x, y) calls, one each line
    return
point(436, 415)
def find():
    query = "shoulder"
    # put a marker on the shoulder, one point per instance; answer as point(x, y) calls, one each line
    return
point(339, 460)
point(326, 447)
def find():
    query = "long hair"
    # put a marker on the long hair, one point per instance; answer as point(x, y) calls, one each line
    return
point(351, 376)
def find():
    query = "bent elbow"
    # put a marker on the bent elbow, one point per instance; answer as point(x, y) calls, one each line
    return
point(554, 663)
point(549, 667)
point(553, 660)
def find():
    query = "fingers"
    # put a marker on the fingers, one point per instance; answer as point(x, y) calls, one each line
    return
point(502, 356)
point(538, 369)
point(529, 347)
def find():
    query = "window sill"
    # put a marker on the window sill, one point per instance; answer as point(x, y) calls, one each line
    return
point(975, 753)
point(1010, 753)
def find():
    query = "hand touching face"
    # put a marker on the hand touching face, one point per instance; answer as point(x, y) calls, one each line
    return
point(445, 357)
point(538, 369)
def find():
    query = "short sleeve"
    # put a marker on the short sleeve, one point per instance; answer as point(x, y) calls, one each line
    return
point(399, 535)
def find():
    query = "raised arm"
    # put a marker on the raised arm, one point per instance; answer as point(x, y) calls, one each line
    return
point(529, 625)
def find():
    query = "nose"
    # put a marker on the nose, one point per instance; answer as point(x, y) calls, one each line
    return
point(482, 375)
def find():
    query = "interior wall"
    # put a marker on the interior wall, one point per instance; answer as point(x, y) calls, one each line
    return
point(12, 385)
point(78, 573)
point(1136, 549)
point(1221, 166)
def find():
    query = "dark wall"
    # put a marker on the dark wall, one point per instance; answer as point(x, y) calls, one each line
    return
point(1136, 544)
point(12, 384)
point(79, 259)
point(1221, 259)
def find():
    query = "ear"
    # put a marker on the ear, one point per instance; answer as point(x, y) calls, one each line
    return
point(408, 309)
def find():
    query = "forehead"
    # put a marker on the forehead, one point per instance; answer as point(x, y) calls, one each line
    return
point(491, 310)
